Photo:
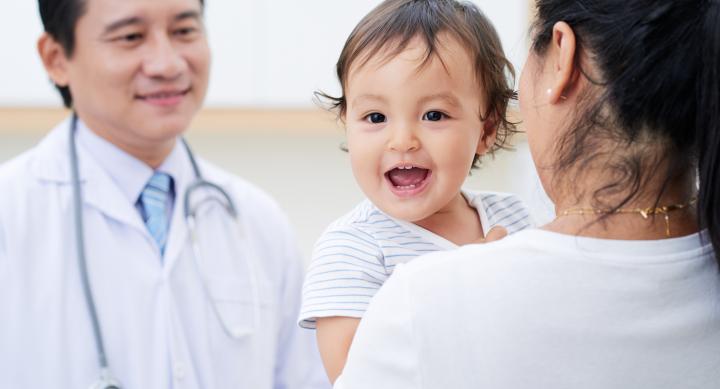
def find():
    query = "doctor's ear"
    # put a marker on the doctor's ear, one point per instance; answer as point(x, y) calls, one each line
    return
point(487, 136)
point(54, 59)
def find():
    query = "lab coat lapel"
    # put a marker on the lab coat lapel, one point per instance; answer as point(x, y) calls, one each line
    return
point(178, 238)
point(52, 163)
point(102, 193)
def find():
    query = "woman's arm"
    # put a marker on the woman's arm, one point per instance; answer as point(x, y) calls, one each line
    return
point(334, 336)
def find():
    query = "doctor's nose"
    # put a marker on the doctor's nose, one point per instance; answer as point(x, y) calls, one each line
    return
point(403, 139)
point(163, 60)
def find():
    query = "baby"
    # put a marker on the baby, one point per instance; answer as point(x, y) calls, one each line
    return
point(424, 95)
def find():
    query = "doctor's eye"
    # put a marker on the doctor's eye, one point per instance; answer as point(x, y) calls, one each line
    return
point(434, 116)
point(186, 32)
point(130, 38)
point(376, 118)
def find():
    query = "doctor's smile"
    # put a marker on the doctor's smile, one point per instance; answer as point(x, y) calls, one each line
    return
point(165, 98)
point(138, 69)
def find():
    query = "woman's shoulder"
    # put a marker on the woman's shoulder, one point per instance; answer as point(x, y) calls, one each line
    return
point(535, 256)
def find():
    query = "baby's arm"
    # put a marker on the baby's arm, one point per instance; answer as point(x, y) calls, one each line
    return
point(346, 271)
point(334, 336)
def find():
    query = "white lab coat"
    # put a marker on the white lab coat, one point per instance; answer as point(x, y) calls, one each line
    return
point(158, 327)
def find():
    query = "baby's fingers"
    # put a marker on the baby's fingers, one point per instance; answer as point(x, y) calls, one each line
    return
point(495, 233)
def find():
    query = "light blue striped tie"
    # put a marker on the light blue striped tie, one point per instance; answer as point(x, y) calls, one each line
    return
point(154, 200)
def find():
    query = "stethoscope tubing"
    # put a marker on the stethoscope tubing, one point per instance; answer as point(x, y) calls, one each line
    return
point(80, 245)
point(106, 381)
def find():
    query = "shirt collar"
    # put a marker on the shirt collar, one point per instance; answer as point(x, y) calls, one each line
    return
point(129, 173)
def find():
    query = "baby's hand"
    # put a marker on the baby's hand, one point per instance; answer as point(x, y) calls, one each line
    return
point(495, 233)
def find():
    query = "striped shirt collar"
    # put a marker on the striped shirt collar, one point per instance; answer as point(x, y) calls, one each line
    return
point(445, 244)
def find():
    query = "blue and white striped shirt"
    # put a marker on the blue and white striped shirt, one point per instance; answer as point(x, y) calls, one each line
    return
point(358, 252)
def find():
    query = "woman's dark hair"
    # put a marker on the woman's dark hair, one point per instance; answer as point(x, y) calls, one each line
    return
point(656, 94)
point(59, 18)
point(396, 22)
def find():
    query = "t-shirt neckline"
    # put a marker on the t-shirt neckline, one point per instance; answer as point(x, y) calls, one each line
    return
point(669, 247)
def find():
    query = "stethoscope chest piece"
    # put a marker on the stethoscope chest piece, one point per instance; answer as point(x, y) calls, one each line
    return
point(106, 383)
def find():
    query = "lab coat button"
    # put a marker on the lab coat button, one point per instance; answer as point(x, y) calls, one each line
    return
point(179, 371)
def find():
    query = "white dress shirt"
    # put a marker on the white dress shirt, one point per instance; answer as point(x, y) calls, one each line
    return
point(134, 175)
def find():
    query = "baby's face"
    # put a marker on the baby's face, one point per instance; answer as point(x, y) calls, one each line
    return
point(412, 130)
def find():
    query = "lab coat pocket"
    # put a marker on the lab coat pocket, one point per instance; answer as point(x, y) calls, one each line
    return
point(243, 334)
point(240, 305)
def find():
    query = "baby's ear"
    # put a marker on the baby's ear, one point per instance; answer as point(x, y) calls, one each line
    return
point(487, 137)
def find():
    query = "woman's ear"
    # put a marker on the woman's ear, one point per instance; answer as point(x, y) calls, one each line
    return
point(54, 59)
point(560, 62)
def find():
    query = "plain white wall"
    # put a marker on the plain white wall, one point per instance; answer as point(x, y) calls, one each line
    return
point(266, 54)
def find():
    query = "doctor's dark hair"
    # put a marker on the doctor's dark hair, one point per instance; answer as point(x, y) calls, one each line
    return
point(654, 95)
point(59, 18)
point(390, 27)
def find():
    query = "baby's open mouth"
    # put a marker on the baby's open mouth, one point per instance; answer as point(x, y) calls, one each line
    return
point(407, 177)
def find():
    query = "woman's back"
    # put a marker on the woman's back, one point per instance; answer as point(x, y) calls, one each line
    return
point(542, 309)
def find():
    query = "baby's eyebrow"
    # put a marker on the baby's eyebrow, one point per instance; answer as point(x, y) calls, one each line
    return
point(367, 100)
point(370, 97)
point(448, 98)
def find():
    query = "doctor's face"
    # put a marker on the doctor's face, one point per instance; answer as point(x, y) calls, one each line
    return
point(139, 71)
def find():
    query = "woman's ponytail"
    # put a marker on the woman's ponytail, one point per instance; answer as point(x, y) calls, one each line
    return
point(708, 124)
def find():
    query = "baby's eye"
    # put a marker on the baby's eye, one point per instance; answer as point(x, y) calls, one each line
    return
point(434, 116)
point(375, 118)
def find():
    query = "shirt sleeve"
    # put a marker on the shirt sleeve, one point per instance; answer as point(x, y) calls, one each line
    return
point(508, 211)
point(347, 270)
point(385, 351)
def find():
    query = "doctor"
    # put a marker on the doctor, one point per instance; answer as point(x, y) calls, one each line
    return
point(100, 283)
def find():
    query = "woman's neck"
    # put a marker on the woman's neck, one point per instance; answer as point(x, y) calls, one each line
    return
point(626, 226)
point(641, 218)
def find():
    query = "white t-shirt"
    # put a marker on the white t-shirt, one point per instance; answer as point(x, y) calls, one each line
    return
point(544, 310)
point(358, 252)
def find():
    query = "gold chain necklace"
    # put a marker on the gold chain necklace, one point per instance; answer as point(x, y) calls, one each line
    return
point(644, 212)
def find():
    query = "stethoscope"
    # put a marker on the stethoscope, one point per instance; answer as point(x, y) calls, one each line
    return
point(213, 194)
